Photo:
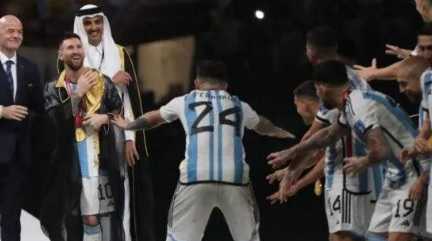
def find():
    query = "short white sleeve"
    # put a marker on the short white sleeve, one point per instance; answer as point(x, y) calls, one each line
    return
point(326, 116)
point(251, 118)
point(365, 117)
point(171, 111)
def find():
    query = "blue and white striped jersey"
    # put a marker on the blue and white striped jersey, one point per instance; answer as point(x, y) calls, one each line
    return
point(365, 110)
point(214, 123)
point(426, 105)
point(368, 181)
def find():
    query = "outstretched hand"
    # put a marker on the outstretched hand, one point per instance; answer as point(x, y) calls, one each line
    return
point(281, 158)
point(120, 122)
point(396, 51)
point(367, 72)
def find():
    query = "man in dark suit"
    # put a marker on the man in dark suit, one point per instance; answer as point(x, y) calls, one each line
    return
point(20, 96)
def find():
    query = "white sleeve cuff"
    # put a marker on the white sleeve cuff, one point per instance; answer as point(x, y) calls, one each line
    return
point(1, 111)
point(130, 136)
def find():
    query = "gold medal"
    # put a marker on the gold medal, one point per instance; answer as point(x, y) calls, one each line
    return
point(80, 134)
point(318, 188)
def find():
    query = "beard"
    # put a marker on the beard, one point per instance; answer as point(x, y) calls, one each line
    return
point(74, 65)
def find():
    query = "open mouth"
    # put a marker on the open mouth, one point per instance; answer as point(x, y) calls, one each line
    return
point(76, 58)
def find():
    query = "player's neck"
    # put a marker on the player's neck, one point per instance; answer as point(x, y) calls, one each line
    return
point(207, 87)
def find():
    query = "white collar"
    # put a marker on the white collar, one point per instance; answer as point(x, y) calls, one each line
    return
point(4, 58)
point(98, 48)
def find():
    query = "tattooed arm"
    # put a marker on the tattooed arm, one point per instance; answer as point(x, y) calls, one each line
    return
point(378, 150)
point(321, 139)
point(149, 120)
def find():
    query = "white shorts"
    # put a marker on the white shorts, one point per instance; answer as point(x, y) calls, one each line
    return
point(347, 211)
point(429, 210)
point(192, 205)
point(395, 212)
point(96, 196)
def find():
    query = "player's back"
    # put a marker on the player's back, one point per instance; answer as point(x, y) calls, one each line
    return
point(214, 123)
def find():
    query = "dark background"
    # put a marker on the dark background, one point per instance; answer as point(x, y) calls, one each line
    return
point(266, 61)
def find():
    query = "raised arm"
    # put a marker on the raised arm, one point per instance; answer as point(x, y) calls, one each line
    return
point(149, 120)
point(372, 72)
point(321, 139)
point(267, 128)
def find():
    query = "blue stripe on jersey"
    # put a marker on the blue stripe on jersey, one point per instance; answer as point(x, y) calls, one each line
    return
point(192, 148)
point(238, 148)
point(360, 150)
point(355, 81)
point(331, 165)
point(83, 158)
point(394, 109)
point(211, 141)
point(378, 174)
point(402, 117)
point(421, 116)
point(220, 139)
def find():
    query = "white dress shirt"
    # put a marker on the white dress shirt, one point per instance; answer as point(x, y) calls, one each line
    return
point(95, 58)
point(3, 60)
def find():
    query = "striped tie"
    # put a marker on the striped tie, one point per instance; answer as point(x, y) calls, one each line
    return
point(9, 64)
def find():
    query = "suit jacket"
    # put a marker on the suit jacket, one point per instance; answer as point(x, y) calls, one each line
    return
point(15, 135)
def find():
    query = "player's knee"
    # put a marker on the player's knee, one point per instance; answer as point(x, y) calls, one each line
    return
point(90, 220)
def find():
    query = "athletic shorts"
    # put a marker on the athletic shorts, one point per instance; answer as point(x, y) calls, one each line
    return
point(192, 205)
point(347, 211)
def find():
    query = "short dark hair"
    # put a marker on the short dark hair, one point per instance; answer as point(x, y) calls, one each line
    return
point(212, 70)
point(426, 29)
point(306, 89)
point(322, 37)
point(68, 35)
point(331, 72)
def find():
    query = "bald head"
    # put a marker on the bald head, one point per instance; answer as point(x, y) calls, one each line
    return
point(11, 34)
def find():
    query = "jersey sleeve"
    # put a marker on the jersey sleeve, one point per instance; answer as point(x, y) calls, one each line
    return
point(326, 116)
point(322, 116)
point(251, 118)
point(171, 111)
point(426, 85)
point(365, 116)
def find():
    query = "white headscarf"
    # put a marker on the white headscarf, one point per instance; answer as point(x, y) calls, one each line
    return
point(111, 63)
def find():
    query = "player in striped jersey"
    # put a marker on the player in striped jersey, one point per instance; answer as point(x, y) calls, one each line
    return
point(359, 189)
point(214, 173)
point(415, 78)
point(349, 199)
point(385, 129)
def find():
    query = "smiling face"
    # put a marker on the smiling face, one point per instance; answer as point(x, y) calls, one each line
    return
point(94, 29)
point(72, 53)
point(11, 34)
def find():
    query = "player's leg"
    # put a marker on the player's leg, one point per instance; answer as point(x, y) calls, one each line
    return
point(90, 209)
point(406, 215)
point(240, 210)
point(381, 217)
point(92, 229)
point(189, 212)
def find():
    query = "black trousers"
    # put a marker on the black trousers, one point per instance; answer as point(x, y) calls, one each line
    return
point(12, 182)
